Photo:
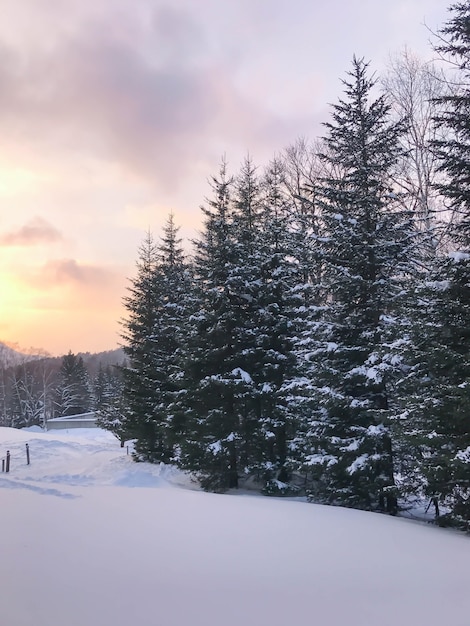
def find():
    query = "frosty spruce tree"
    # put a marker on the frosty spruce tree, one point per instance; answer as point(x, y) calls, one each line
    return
point(207, 403)
point(153, 344)
point(238, 420)
point(438, 408)
point(140, 379)
point(73, 389)
point(365, 251)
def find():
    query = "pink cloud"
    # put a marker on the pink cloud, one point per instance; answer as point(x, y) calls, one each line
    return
point(157, 108)
point(71, 272)
point(36, 231)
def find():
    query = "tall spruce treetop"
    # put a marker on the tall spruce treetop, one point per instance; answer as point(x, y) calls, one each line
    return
point(366, 234)
point(173, 284)
point(154, 338)
point(454, 119)
point(365, 247)
point(139, 345)
point(211, 382)
point(280, 320)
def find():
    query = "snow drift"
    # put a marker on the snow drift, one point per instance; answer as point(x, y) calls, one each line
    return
point(90, 538)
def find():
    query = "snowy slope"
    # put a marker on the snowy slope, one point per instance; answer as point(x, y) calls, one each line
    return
point(89, 538)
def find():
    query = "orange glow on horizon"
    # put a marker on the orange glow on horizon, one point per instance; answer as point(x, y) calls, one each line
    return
point(55, 320)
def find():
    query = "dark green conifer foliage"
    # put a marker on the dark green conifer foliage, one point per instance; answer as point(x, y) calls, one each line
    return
point(365, 246)
point(140, 379)
point(436, 398)
point(453, 116)
point(153, 340)
point(242, 346)
point(175, 304)
point(243, 286)
point(213, 383)
point(106, 386)
point(434, 430)
point(279, 319)
point(73, 389)
point(109, 401)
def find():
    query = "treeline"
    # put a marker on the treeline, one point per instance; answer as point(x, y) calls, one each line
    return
point(39, 389)
point(317, 339)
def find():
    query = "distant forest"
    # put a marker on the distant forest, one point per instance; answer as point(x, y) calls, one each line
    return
point(37, 388)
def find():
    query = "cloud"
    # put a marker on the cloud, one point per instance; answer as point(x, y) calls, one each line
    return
point(36, 231)
point(63, 272)
point(151, 96)
point(68, 285)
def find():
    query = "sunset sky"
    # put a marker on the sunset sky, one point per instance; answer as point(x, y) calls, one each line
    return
point(115, 112)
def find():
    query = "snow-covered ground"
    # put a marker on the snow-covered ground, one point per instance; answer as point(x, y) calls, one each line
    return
point(89, 538)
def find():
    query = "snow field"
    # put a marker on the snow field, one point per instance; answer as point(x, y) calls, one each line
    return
point(80, 547)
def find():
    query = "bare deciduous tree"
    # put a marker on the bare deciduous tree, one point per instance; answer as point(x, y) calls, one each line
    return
point(413, 87)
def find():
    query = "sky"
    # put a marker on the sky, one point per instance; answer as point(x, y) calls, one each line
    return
point(114, 113)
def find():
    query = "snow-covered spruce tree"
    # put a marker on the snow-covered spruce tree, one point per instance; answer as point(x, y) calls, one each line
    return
point(113, 416)
point(152, 335)
point(306, 166)
point(140, 381)
point(453, 117)
point(214, 381)
point(73, 388)
point(433, 434)
point(243, 286)
point(280, 318)
point(242, 359)
point(437, 406)
point(109, 402)
point(175, 304)
point(106, 386)
point(365, 253)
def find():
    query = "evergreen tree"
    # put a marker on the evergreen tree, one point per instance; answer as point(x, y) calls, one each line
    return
point(365, 247)
point(244, 290)
point(140, 381)
point(279, 321)
point(173, 282)
point(212, 380)
point(435, 429)
point(453, 117)
point(112, 413)
point(73, 389)
point(433, 432)
point(104, 386)
point(110, 407)
point(154, 336)
point(242, 347)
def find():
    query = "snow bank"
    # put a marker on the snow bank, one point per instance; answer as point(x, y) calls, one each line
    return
point(80, 549)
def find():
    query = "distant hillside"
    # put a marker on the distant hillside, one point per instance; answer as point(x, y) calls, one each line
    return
point(93, 360)
point(13, 355)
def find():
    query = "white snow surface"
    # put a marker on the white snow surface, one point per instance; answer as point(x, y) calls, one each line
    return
point(90, 538)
